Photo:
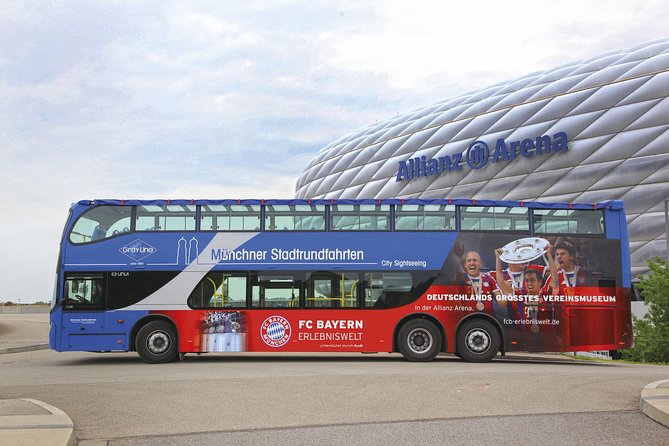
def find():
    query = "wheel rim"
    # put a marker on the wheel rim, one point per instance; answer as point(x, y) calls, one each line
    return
point(419, 340)
point(477, 340)
point(158, 342)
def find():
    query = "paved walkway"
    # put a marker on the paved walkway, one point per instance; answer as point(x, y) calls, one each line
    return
point(655, 401)
point(28, 422)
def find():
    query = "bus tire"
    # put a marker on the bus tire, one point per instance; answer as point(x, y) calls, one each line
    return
point(156, 342)
point(419, 340)
point(477, 341)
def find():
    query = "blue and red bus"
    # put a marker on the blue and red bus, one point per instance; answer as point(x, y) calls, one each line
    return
point(417, 276)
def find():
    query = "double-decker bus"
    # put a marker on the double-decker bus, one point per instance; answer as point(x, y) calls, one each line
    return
point(416, 276)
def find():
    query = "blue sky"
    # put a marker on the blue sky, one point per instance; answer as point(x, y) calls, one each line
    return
point(228, 99)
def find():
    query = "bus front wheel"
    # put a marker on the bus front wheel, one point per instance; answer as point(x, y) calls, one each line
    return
point(477, 341)
point(419, 340)
point(156, 342)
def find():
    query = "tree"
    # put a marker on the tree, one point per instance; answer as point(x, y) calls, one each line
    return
point(651, 334)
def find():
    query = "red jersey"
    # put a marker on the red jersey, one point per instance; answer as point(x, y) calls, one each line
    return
point(578, 277)
point(517, 279)
point(483, 287)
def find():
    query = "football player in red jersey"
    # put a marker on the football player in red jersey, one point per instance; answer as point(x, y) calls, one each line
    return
point(482, 285)
point(570, 274)
point(533, 306)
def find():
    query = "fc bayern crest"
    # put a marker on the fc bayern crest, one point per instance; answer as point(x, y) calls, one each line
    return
point(275, 331)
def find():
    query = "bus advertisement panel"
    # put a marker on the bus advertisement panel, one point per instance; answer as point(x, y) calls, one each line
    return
point(530, 279)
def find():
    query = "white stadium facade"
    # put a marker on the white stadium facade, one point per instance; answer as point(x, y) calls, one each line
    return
point(584, 132)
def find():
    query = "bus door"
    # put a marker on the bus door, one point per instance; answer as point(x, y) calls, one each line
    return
point(83, 305)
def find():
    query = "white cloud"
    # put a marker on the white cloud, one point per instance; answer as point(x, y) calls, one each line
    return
point(494, 41)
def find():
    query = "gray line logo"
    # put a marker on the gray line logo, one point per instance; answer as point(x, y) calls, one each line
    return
point(138, 250)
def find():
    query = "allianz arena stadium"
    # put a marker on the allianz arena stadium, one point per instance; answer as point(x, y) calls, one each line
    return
point(586, 131)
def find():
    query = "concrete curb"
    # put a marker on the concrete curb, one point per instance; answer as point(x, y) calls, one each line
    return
point(56, 428)
point(655, 401)
point(27, 348)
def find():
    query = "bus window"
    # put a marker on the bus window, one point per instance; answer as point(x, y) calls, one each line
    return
point(332, 290)
point(165, 218)
point(130, 287)
point(230, 218)
point(492, 218)
point(219, 290)
point(360, 217)
point(101, 222)
point(281, 290)
point(415, 217)
point(568, 221)
point(295, 218)
point(395, 288)
point(84, 291)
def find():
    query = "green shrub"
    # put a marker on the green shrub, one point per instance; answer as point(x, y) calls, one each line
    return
point(651, 334)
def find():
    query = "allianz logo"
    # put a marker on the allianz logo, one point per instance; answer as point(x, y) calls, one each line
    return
point(478, 155)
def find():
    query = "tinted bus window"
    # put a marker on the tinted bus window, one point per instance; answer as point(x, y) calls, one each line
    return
point(125, 288)
point(360, 217)
point(568, 221)
point(84, 291)
point(101, 222)
point(280, 290)
point(165, 218)
point(489, 218)
point(220, 290)
point(230, 218)
point(414, 217)
point(395, 288)
point(295, 218)
point(332, 290)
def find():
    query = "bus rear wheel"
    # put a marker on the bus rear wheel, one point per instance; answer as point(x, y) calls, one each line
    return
point(156, 342)
point(477, 341)
point(419, 340)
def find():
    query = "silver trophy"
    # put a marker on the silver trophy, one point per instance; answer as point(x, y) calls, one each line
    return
point(524, 250)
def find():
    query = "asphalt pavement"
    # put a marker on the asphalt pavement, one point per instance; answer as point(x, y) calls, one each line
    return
point(26, 421)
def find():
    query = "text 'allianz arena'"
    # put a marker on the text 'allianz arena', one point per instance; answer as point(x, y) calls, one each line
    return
point(505, 142)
